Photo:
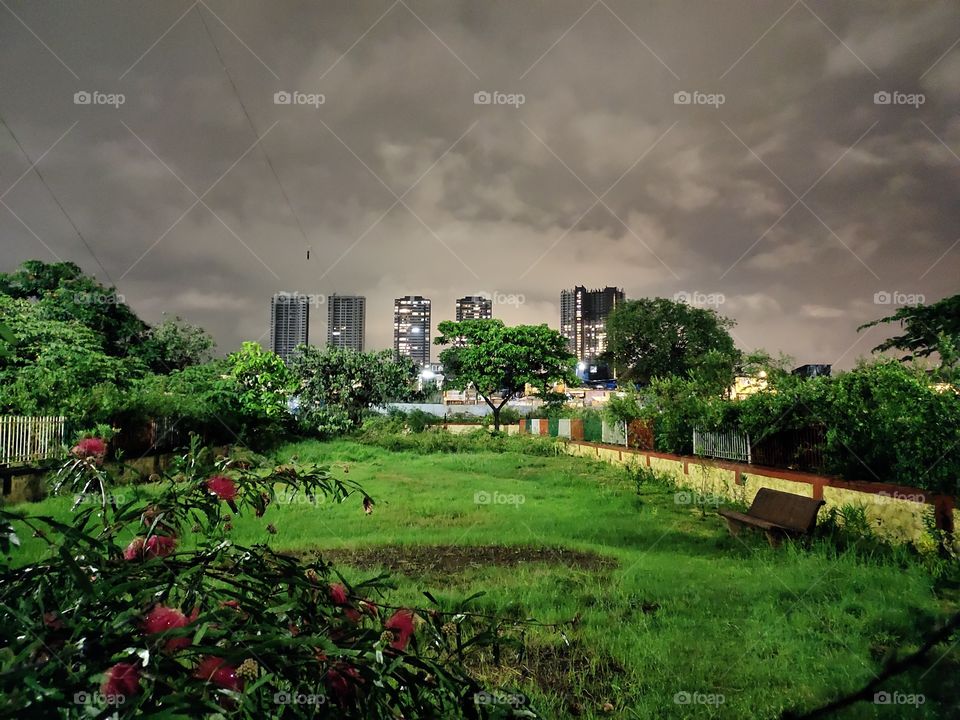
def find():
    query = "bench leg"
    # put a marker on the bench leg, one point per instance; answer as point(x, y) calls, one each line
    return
point(775, 538)
point(733, 526)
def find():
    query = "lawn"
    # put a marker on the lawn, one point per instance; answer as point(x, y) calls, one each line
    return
point(667, 607)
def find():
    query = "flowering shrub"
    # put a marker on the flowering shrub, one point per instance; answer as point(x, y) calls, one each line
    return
point(127, 614)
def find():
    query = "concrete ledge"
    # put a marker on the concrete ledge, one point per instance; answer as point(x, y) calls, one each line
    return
point(897, 512)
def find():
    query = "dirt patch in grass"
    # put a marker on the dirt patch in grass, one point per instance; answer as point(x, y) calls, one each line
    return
point(419, 560)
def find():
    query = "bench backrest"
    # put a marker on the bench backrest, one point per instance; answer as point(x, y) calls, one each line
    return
point(786, 509)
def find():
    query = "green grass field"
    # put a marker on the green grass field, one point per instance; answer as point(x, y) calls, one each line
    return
point(668, 606)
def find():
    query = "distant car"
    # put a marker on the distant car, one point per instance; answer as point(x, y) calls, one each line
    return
point(602, 384)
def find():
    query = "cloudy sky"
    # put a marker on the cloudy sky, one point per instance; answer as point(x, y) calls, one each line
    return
point(738, 152)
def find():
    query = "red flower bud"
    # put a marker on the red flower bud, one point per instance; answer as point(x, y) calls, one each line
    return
point(338, 593)
point(223, 487)
point(342, 680)
point(216, 670)
point(401, 623)
point(159, 546)
point(134, 550)
point(161, 619)
point(122, 681)
point(90, 449)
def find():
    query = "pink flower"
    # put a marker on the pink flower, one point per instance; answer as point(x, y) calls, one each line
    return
point(90, 449)
point(223, 487)
point(338, 593)
point(370, 608)
point(122, 680)
point(161, 619)
point(134, 550)
point(342, 681)
point(217, 671)
point(52, 621)
point(401, 623)
point(159, 546)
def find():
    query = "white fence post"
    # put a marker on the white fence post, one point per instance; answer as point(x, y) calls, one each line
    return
point(28, 439)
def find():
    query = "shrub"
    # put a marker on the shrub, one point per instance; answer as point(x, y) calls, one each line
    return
point(418, 420)
point(120, 605)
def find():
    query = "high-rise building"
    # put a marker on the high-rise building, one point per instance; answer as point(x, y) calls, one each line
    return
point(411, 328)
point(289, 323)
point(583, 321)
point(474, 307)
point(346, 321)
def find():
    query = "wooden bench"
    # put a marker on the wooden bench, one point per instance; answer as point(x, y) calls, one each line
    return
point(778, 514)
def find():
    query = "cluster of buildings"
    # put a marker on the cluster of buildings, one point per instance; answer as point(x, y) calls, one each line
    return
point(583, 316)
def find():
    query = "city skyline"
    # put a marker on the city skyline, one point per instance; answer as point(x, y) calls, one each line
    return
point(346, 317)
point(797, 172)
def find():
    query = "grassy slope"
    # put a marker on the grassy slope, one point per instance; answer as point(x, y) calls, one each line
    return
point(768, 629)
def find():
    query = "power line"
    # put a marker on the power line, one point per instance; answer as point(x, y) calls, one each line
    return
point(253, 127)
point(43, 181)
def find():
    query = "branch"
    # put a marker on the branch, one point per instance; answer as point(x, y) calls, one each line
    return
point(893, 668)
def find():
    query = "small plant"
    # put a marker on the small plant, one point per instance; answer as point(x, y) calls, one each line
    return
point(642, 476)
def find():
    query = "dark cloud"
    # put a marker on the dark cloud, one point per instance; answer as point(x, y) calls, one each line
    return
point(404, 185)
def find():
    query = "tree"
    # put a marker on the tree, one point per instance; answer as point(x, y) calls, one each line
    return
point(263, 382)
point(175, 344)
point(62, 292)
point(53, 365)
point(928, 329)
point(656, 337)
point(336, 385)
point(496, 359)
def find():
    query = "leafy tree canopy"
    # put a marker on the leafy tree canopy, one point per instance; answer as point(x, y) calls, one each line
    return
point(496, 359)
point(175, 344)
point(656, 337)
point(51, 365)
point(62, 292)
point(927, 329)
point(263, 382)
point(336, 386)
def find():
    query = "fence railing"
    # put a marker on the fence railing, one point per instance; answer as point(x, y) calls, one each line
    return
point(25, 440)
point(723, 445)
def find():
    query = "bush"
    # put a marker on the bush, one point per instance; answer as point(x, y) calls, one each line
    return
point(887, 422)
point(418, 420)
point(221, 629)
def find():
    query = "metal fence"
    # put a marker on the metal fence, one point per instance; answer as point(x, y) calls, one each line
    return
point(24, 440)
point(159, 435)
point(724, 445)
point(801, 449)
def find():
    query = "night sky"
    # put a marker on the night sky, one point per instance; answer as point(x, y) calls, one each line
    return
point(795, 166)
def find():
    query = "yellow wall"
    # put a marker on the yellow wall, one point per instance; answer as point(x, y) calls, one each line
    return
point(901, 520)
point(469, 428)
point(895, 519)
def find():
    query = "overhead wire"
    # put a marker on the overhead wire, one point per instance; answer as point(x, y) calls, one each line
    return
point(253, 128)
point(43, 181)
